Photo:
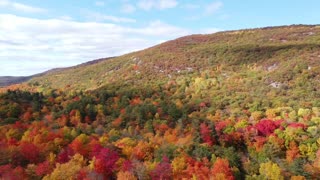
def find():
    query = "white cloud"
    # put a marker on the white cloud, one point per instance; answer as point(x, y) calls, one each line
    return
point(145, 4)
point(102, 17)
point(207, 10)
point(191, 6)
point(158, 28)
point(128, 8)
point(156, 4)
point(213, 7)
point(42, 44)
point(164, 4)
point(65, 17)
point(26, 8)
point(99, 3)
point(4, 3)
point(20, 7)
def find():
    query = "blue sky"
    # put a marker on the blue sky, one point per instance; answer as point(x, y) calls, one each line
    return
point(37, 35)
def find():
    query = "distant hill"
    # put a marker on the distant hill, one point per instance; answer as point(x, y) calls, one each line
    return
point(281, 62)
point(10, 80)
point(262, 48)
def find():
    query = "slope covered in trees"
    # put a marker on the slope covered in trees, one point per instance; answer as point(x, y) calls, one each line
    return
point(272, 52)
point(12, 80)
point(231, 105)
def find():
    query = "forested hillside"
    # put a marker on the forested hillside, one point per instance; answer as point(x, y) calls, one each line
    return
point(230, 105)
point(9, 80)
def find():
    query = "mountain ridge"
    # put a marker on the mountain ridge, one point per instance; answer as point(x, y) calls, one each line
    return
point(11, 80)
point(186, 55)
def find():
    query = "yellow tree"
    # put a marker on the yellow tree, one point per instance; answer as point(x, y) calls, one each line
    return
point(179, 164)
point(68, 170)
point(271, 171)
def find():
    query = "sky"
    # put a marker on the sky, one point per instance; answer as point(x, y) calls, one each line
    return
point(38, 35)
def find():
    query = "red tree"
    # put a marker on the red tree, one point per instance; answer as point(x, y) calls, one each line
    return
point(267, 127)
point(30, 151)
point(65, 155)
point(44, 169)
point(206, 134)
point(162, 171)
point(105, 161)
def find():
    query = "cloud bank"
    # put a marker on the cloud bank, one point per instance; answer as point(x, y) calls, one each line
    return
point(48, 43)
point(33, 44)
point(20, 7)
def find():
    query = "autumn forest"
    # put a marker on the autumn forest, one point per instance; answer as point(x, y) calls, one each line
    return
point(230, 105)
